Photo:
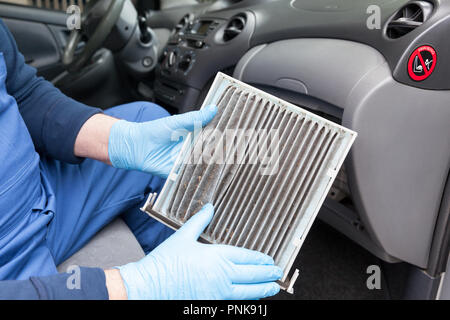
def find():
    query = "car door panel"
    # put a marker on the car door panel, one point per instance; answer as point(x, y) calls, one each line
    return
point(35, 33)
point(36, 43)
point(41, 36)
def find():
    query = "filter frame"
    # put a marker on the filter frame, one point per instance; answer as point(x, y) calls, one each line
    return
point(156, 204)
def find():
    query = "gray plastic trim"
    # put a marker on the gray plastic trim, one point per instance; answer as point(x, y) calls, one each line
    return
point(347, 222)
point(444, 286)
point(325, 68)
point(399, 167)
point(399, 164)
point(440, 247)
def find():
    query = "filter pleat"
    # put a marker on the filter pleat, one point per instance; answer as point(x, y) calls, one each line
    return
point(236, 149)
point(268, 120)
point(210, 177)
point(246, 173)
point(281, 187)
point(200, 166)
point(260, 186)
point(295, 212)
point(312, 143)
point(189, 167)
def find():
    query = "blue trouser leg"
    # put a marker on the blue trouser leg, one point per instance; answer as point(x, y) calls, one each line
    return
point(91, 194)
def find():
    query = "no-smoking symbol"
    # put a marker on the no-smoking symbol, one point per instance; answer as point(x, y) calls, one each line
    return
point(421, 63)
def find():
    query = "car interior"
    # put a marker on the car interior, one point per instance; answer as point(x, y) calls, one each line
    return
point(390, 203)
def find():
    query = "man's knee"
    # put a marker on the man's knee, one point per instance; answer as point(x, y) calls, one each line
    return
point(139, 111)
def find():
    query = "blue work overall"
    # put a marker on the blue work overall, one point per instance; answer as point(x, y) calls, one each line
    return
point(50, 209)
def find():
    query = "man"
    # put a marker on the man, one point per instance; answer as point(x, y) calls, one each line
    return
point(52, 202)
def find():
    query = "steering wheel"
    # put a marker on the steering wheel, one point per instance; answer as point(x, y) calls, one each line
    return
point(96, 35)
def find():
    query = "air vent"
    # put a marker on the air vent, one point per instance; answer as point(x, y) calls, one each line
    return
point(234, 27)
point(268, 199)
point(408, 18)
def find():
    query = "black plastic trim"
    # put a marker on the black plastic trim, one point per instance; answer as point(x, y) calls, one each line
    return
point(440, 246)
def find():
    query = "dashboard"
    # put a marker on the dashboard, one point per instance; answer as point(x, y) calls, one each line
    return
point(379, 67)
point(209, 38)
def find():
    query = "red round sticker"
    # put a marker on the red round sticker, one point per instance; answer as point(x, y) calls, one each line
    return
point(421, 63)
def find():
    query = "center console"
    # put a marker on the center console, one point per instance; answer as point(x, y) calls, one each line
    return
point(198, 48)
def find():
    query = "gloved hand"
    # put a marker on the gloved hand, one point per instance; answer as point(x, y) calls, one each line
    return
point(153, 146)
point(182, 268)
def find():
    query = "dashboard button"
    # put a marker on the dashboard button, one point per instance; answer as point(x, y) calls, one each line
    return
point(147, 62)
point(185, 63)
point(171, 59)
point(199, 44)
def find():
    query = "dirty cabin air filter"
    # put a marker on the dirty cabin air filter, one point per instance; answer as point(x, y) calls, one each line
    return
point(265, 164)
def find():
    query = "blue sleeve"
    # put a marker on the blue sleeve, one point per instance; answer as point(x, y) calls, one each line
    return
point(48, 113)
point(92, 287)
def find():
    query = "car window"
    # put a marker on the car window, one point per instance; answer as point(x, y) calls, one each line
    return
point(59, 5)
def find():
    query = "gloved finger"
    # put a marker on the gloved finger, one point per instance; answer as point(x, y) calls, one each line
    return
point(173, 152)
point(254, 291)
point(191, 119)
point(244, 256)
point(194, 227)
point(255, 274)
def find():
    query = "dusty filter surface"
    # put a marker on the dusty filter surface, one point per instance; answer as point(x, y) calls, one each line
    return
point(266, 165)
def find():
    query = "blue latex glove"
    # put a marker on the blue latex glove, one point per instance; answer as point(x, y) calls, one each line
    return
point(153, 146)
point(182, 268)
